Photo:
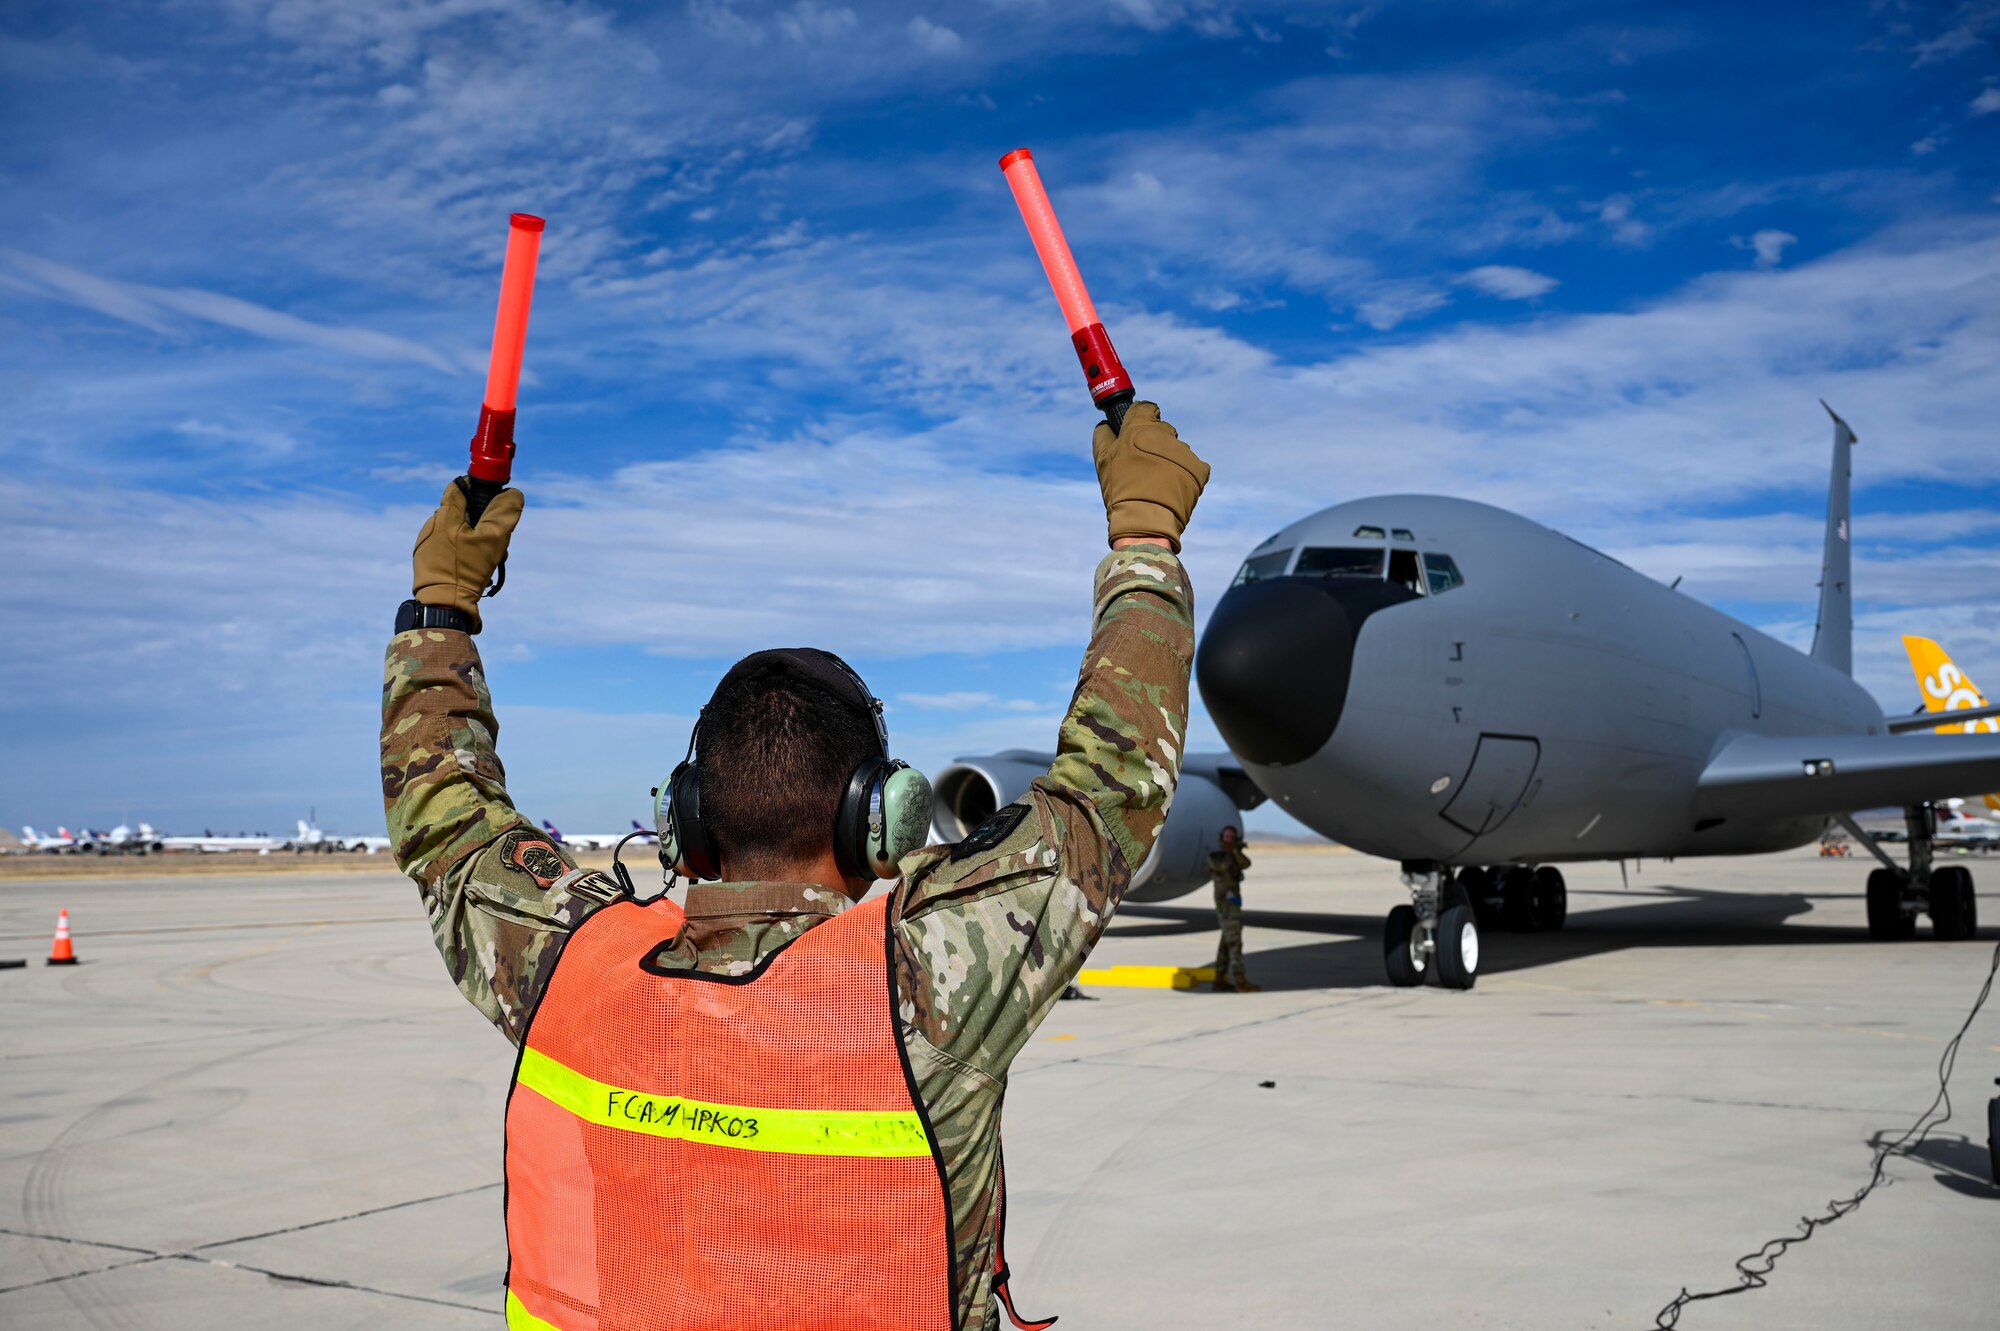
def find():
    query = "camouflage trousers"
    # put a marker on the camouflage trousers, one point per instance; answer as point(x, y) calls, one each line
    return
point(1229, 940)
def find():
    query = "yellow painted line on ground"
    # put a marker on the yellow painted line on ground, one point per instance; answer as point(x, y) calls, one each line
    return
point(1149, 977)
point(1061, 1037)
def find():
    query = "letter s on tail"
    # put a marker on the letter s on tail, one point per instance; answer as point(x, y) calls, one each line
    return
point(1945, 687)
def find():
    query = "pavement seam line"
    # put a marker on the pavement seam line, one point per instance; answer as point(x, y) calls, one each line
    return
point(324, 1283)
point(76, 1275)
point(82, 1243)
point(147, 1256)
point(339, 1219)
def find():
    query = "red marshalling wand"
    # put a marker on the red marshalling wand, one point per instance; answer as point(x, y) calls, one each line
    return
point(492, 463)
point(1110, 386)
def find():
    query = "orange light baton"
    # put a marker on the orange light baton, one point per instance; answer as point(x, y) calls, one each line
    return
point(1110, 386)
point(492, 463)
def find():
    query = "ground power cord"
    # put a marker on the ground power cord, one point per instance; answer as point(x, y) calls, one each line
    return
point(1753, 1268)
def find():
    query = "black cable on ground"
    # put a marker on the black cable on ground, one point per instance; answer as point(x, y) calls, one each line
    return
point(1752, 1268)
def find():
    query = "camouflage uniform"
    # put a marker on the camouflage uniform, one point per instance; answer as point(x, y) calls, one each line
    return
point(988, 934)
point(1226, 867)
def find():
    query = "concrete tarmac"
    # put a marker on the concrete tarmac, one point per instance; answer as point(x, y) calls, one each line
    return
point(260, 1103)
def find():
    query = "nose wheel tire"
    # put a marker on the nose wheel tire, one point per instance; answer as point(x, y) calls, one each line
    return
point(1457, 954)
point(1400, 957)
point(1954, 909)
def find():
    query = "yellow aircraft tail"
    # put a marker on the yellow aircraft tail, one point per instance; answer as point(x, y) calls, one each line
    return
point(1946, 688)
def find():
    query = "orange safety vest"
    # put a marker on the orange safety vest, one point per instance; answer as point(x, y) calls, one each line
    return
point(687, 1150)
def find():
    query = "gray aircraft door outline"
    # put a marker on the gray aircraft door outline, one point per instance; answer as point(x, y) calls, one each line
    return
point(1491, 789)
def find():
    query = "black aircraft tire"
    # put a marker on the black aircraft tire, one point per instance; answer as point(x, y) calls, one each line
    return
point(1457, 954)
point(1952, 904)
point(1552, 907)
point(1477, 885)
point(1886, 921)
point(1406, 969)
point(1519, 899)
point(1993, 1137)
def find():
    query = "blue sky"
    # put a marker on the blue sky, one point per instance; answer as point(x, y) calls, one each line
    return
point(795, 377)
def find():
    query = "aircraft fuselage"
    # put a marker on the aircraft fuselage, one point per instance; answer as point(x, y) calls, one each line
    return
point(1552, 705)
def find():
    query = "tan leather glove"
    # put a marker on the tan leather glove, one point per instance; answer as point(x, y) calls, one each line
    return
point(454, 563)
point(1149, 477)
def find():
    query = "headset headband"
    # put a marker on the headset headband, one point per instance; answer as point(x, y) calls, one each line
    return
point(819, 667)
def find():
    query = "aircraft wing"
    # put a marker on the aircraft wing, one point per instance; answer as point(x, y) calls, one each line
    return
point(1934, 720)
point(1757, 777)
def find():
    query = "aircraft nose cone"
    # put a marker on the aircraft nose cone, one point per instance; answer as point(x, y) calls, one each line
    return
point(1274, 665)
point(1273, 669)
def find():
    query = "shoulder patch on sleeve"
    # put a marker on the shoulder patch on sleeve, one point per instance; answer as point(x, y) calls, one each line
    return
point(997, 828)
point(532, 854)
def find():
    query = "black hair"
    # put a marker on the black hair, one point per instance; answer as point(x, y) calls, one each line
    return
point(776, 753)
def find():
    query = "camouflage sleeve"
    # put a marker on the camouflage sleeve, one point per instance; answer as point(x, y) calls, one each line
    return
point(994, 929)
point(501, 896)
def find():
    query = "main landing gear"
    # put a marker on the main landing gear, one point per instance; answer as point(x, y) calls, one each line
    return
point(1436, 936)
point(1896, 895)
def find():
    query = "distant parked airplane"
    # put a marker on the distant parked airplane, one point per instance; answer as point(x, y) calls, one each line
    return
point(588, 840)
point(60, 842)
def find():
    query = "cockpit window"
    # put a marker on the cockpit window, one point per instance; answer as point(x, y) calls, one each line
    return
point(1369, 534)
point(1442, 573)
point(1339, 562)
point(1403, 569)
point(1404, 534)
point(1258, 568)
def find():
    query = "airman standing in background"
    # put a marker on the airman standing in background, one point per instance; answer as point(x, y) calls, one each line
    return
point(1226, 866)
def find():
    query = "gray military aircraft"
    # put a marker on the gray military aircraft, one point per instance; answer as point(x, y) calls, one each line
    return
point(1449, 685)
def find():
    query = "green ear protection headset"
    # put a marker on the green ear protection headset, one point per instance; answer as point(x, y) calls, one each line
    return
point(885, 812)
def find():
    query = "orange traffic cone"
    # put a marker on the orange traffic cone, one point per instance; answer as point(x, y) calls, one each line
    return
point(62, 954)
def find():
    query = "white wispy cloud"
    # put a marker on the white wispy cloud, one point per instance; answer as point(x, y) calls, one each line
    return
point(1768, 245)
point(1986, 103)
point(811, 23)
point(264, 439)
point(968, 701)
point(1616, 214)
point(1509, 283)
point(935, 37)
point(166, 309)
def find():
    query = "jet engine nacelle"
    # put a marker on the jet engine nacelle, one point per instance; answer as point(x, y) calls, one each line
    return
point(1206, 801)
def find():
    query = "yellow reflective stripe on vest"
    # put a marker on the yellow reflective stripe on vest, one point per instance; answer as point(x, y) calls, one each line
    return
point(520, 1319)
point(856, 1132)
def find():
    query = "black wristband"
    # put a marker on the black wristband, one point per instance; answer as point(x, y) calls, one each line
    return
point(414, 614)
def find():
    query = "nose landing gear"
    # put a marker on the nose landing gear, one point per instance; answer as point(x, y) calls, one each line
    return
point(1436, 935)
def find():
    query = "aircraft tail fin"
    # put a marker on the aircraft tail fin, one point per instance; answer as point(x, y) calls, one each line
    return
point(29, 834)
point(1833, 637)
point(1946, 688)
